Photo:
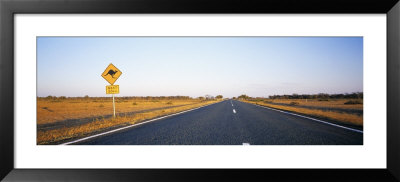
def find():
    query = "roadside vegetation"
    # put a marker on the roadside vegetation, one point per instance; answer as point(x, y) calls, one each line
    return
point(62, 118)
point(341, 108)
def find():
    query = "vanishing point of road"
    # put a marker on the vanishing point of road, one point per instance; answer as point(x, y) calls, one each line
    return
point(231, 122)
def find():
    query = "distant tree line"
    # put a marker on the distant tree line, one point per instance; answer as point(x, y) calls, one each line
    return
point(128, 97)
point(243, 96)
point(206, 97)
point(178, 97)
point(355, 95)
point(323, 96)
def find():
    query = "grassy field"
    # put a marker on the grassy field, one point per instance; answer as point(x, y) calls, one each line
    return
point(91, 115)
point(330, 103)
point(346, 111)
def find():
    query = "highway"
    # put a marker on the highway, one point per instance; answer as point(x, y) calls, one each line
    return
point(231, 122)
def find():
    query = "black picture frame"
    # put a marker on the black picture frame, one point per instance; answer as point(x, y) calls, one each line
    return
point(8, 8)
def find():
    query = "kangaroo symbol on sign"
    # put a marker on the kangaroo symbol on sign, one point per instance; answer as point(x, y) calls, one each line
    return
point(111, 72)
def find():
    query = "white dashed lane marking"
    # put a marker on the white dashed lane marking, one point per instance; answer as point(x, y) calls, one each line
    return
point(234, 111)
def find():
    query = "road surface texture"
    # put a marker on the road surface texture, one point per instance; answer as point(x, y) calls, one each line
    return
point(231, 122)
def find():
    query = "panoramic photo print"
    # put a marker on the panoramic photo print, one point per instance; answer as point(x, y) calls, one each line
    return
point(199, 91)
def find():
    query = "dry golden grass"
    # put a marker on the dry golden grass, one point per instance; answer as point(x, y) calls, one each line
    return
point(50, 136)
point(353, 119)
point(49, 111)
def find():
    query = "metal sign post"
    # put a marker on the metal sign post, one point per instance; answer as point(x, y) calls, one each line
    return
point(111, 74)
point(113, 105)
point(112, 89)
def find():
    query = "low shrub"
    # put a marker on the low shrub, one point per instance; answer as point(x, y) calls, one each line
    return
point(294, 103)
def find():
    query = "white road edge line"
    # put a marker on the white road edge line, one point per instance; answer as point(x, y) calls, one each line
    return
point(234, 111)
point(325, 122)
point(112, 131)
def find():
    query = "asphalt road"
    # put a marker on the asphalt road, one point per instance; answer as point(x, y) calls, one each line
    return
point(231, 123)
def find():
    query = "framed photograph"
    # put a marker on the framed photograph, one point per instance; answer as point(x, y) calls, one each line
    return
point(154, 90)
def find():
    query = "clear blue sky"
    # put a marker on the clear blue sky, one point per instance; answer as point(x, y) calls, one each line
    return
point(196, 66)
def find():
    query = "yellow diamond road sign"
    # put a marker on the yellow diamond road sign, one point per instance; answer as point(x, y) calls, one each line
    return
point(111, 74)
